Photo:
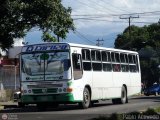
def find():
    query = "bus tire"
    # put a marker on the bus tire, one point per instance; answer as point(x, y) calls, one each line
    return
point(86, 99)
point(124, 98)
point(21, 105)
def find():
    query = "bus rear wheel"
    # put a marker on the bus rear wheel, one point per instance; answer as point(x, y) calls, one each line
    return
point(123, 99)
point(86, 99)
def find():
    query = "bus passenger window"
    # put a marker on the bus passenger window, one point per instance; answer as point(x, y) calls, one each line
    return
point(93, 55)
point(116, 67)
point(86, 54)
point(104, 56)
point(77, 66)
point(117, 57)
point(87, 66)
point(122, 58)
point(113, 57)
point(107, 67)
point(130, 57)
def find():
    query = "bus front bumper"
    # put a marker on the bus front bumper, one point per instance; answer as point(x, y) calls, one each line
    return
point(58, 98)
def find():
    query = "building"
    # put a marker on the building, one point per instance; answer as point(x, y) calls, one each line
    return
point(9, 67)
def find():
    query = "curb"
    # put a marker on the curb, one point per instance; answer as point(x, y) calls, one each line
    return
point(1, 107)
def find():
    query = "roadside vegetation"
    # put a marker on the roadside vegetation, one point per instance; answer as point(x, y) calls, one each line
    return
point(6, 95)
point(148, 114)
point(146, 41)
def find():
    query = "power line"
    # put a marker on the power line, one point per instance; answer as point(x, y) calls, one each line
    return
point(109, 15)
point(106, 2)
point(102, 6)
point(129, 20)
point(105, 20)
point(82, 36)
point(99, 42)
point(89, 5)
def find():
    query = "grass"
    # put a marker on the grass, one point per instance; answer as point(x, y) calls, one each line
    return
point(157, 109)
point(132, 115)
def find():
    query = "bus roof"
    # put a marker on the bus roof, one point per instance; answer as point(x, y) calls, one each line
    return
point(63, 45)
point(100, 48)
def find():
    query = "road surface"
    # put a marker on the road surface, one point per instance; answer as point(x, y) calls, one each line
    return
point(72, 112)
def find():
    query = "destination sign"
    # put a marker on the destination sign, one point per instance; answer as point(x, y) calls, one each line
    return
point(45, 47)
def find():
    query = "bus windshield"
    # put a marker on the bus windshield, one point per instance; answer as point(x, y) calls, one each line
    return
point(46, 66)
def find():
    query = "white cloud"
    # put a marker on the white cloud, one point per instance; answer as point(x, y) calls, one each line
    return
point(97, 29)
point(108, 7)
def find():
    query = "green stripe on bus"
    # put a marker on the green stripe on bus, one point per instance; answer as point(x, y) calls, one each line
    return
point(47, 98)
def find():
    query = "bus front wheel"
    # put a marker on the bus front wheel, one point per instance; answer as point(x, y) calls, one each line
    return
point(86, 99)
point(21, 105)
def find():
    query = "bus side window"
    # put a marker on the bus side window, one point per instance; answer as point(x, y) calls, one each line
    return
point(77, 66)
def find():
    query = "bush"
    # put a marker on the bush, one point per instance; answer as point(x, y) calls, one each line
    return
point(132, 115)
point(150, 112)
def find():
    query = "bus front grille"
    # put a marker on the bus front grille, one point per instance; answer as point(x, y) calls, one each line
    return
point(39, 91)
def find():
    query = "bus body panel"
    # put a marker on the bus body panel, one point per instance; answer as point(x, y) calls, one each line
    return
point(102, 85)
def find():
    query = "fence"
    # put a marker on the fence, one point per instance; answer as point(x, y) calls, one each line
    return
point(9, 77)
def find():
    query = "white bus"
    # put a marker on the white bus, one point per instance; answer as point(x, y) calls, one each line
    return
point(54, 73)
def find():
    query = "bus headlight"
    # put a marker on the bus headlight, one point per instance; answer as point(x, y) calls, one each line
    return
point(24, 91)
point(29, 91)
point(64, 89)
point(60, 89)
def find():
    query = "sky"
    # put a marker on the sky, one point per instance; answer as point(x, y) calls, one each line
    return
point(104, 19)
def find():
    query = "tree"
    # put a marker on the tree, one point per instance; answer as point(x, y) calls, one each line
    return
point(20, 16)
point(145, 40)
point(139, 38)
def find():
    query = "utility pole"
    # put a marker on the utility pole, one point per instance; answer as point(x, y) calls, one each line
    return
point(98, 42)
point(129, 20)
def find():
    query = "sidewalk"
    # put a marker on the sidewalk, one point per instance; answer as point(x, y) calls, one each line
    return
point(7, 104)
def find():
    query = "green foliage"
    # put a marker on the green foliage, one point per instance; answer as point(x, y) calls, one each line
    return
point(135, 40)
point(145, 40)
point(113, 116)
point(49, 38)
point(139, 37)
point(100, 118)
point(20, 16)
point(149, 113)
point(157, 109)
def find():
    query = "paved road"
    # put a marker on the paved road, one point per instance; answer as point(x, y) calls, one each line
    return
point(72, 112)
